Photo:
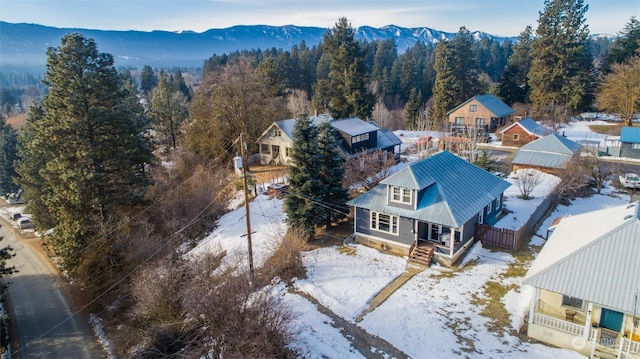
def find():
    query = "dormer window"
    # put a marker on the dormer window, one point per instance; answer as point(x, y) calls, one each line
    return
point(401, 195)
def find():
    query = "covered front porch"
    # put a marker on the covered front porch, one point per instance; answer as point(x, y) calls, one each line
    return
point(446, 243)
point(587, 328)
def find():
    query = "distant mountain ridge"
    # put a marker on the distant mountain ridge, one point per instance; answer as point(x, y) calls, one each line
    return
point(26, 44)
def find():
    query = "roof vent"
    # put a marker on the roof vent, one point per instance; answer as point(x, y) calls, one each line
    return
point(631, 205)
point(628, 217)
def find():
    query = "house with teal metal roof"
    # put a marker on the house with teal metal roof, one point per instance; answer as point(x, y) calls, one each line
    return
point(483, 113)
point(429, 208)
point(353, 135)
point(630, 142)
point(548, 154)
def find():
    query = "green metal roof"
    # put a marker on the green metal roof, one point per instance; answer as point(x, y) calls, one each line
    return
point(552, 151)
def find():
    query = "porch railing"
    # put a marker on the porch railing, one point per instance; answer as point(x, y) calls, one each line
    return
point(635, 346)
point(559, 324)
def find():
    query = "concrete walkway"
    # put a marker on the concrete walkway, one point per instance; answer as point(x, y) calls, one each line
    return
point(390, 289)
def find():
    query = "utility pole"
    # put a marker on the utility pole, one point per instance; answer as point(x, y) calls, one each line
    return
point(246, 202)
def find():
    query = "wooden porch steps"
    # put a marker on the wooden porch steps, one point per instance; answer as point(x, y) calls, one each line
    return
point(422, 254)
point(604, 353)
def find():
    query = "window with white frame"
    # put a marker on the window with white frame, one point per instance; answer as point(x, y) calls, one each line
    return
point(401, 195)
point(488, 208)
point(459, 121)
point(359, 138)
point(479, 121)
point(473, 108)
point(384, 222)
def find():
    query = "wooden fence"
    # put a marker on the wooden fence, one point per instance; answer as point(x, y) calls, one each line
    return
point(509, 239)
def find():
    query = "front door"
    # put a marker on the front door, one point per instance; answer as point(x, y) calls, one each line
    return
point(611, 319)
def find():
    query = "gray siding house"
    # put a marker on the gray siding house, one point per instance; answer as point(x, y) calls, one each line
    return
point(431, 206)
point(353, 134)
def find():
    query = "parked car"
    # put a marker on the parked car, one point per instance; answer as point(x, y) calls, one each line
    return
point(25, 223)
point(630, 180)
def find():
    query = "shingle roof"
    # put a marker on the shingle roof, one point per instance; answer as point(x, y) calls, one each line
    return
point(593, 256)
point(454, 190)
point(552, 151)
point(531, 126)
point(630, 134)
point(499, 108)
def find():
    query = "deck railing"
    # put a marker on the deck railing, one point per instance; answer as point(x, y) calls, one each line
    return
point(559, 324)
point(635, 346)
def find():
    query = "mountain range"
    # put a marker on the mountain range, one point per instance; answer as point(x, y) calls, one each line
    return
point(26, 44)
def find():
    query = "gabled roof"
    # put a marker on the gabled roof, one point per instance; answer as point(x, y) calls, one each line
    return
point(287, 125)
point(630, 134)
point(353, 126)
point(593, 256)
point(552, 151)
point(531, 126)
point(452, 190)
point(492, 103)
point(387, 139)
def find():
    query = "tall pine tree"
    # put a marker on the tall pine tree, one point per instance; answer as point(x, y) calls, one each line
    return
point(345, 93)
point(514, 86)
point(305, 179)
point(86, 147)
point(561, 75)
point(446, 86)
point(8, 150)
point(334, 197)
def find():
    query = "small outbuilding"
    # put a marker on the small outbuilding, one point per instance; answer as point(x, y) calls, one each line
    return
point(549, 154)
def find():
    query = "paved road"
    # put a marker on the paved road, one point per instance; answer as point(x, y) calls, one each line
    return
point(43, 317)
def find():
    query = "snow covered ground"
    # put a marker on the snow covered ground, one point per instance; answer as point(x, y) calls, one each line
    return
point(437, 314)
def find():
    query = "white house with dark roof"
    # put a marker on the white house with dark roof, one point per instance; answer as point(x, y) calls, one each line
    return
point(548, 154)
point(585, 280)
point(524, 131)
point(353, 134)
point(429, 208)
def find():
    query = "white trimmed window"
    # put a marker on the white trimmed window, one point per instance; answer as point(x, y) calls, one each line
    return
point(635, 146)
point(384, 223)
point(401, 195)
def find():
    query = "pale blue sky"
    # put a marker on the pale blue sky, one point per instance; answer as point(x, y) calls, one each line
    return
point(498, 17)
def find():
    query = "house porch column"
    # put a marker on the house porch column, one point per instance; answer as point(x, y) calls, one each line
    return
point(587, 322)
point(532, 305)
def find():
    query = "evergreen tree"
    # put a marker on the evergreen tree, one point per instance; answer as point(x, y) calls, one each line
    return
point(514, 86)
point(561, 74)
point(413, 109)
point(168, 111)
point(446, 86)
point(334, 197)
point(306, 190)
point(148, 80)
point(33, 150)
point(8, 155)
point(347, 93)
point(92, 155)
point(626, 45)
point(465, 66)
point(486, 162)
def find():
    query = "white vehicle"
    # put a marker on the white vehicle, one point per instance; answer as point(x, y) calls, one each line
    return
point(630, 180)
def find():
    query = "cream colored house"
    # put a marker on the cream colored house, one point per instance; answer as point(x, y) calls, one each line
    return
point(586, 280)
point(353, 135)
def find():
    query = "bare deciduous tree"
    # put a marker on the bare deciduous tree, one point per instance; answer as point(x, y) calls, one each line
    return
point(527, 179)
point(367, 169)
